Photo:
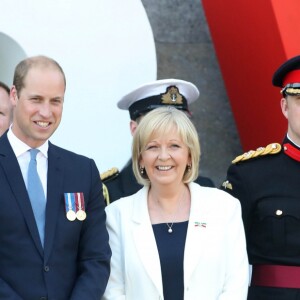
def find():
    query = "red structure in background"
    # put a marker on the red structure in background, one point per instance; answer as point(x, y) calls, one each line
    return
point(251, 39)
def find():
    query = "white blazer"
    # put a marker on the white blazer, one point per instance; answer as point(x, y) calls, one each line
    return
point(215, 258)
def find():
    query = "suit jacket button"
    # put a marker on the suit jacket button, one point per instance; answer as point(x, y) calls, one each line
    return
point(43, 298)
point(46, 269)
point(278, 212)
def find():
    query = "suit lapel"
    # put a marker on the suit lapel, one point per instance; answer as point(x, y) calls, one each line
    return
point(54, 197)
point(197, 233)
point(144, 239)
point(15, 179)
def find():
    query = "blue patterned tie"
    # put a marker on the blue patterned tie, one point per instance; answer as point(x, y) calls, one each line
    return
point(36, 194)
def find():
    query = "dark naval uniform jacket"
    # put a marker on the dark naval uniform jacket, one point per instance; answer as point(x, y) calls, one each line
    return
point(124, 183)
point(267, 183)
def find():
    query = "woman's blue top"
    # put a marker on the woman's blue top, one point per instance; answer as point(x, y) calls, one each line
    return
point(171, 253)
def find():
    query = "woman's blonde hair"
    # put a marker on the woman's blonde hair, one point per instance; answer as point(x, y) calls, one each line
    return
point(161, 121)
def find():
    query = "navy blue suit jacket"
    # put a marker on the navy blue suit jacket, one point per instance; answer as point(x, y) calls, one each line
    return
point(74, 263)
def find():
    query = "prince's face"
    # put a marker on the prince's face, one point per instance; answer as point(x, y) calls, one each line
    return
point(38, 105)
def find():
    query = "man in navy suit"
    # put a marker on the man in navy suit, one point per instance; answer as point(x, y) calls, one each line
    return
point(69, 257)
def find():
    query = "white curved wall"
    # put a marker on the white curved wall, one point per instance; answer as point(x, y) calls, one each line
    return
point(106, 48)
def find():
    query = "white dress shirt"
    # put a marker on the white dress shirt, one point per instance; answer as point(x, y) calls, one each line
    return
point(23, 156)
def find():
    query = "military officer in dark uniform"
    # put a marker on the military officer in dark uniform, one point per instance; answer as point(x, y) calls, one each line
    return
point(267, 183)
point(175, 92)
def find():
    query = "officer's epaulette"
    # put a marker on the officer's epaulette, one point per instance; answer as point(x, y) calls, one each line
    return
point(109, 174)
point(270, 149)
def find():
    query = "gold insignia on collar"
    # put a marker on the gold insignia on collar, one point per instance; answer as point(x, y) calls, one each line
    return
point(269, 149)
point(172, 96)
point(227, 185)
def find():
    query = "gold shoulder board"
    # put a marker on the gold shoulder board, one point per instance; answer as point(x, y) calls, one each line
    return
point(270, 149)
point(109, 174)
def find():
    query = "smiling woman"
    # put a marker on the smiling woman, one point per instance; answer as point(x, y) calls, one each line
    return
point(157, 235)
point(164, 158)
point(165, 136)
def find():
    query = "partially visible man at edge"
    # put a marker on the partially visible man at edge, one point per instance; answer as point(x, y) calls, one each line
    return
point(54, 246)
point(165, 92)
point(6, 109)
point(266, 181)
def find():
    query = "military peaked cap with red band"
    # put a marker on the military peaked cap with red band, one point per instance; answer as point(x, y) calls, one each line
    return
point(287, 77)
point(174, 92)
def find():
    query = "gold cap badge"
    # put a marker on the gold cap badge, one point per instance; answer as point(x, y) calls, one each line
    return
point(172, 96)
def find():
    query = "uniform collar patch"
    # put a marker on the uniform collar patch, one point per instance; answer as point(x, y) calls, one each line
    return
point(291, 151)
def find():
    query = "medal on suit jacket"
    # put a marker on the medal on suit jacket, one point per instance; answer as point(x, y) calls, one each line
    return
point(80, 207)
point(70, 206)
